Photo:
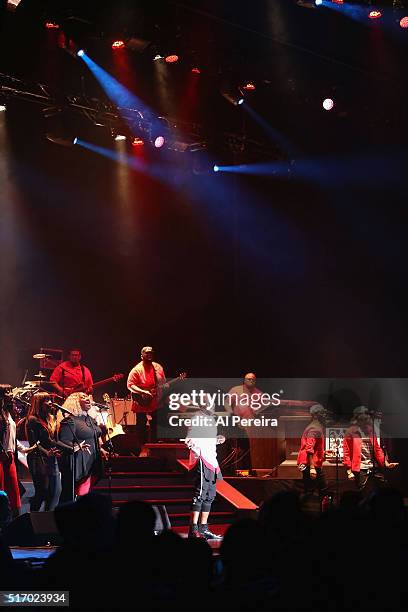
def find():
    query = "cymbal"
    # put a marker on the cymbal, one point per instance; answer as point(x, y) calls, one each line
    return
point(40, 356)
point(40, 375)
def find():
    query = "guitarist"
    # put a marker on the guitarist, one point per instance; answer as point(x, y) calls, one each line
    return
point(71, 376)
point(144, 381)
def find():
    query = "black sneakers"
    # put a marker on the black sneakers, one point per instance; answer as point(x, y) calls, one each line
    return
point(193, 532)
point(207, 534)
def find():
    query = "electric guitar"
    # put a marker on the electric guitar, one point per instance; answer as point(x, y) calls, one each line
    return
point(145, 403)
point(80, 386)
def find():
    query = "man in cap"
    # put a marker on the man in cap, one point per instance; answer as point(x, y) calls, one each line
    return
point(311, 454)
point(362, 453)
point(146, 381)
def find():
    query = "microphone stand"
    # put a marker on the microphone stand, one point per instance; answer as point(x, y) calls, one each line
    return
point(74, 441)
point(110, 453)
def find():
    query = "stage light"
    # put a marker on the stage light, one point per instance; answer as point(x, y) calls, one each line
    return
point(196, 70)
point(240, 101)
point(404, 22)
point(171, 59)
point(216, 168)
point(328, 104)
point(137, 142)
point(75, 140)
point(118, 44)
point(159, 142)
point(51, 25)
point(318, 2)
point(157, 57)
point(120, 137)
point(249, 86)
point(374, 14)
point(12, 4)
point(2, 108)
point(81, 53)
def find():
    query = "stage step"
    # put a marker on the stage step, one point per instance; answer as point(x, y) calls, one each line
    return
point(145, 478)
point(182, 519)
point(146, 491)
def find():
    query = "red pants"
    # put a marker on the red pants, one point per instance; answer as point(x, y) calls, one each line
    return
point(9, 481)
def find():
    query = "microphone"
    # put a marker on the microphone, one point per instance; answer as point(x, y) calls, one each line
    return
point(55, 405)
point(100, 406)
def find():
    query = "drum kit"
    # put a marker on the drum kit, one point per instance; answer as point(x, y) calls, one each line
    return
point(22, 395)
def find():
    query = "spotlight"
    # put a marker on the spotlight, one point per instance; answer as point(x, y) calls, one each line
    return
point(75, 140)
point(120, 137)
point(171, 59)
point(159, 141)
point(137, 142)
point(328, 104)
point(404, 22)
point(81, 53)
point(12, 4)
point(51, 25)
point(196, 70)
point(118, 44)
point(2, 108)
point(240, 101)
point(157, 57)
point(374, 14)
point(249, 86)
point(216, 168)
point(318, 2)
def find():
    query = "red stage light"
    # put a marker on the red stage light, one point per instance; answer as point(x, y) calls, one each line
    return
point(170, 59)
point(249, 87)
point(375, 14)
point(137, 142)
point(196, 70)
point(404, 22)
point(338, 1)
point(118, 44)
point(50, 25)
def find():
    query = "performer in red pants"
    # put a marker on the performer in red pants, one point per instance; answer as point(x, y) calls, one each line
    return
point(8, 446)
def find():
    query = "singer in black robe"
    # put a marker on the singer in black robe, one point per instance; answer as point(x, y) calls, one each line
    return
point(84, 467)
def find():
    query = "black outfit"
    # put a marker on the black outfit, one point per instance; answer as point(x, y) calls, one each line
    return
point(76, 430)
point(205, 481)
point(43, 469)
point(319, 482)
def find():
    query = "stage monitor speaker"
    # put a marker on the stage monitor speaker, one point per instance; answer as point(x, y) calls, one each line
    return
point(162, 519)
point(32, 529)
point(126, 444)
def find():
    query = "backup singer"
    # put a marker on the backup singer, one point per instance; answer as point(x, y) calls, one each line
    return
point(41, 430)
point(202, 442)
point(71, 376)
point(361, 451)
point(87, 463)
point(311, 454)
point(145, 380)
point(8, 447)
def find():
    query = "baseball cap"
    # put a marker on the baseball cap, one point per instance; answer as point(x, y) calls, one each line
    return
point(147, 349)
point(360, 410)
point(317, 409)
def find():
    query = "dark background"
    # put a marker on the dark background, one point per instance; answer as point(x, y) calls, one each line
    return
point(221, 273)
